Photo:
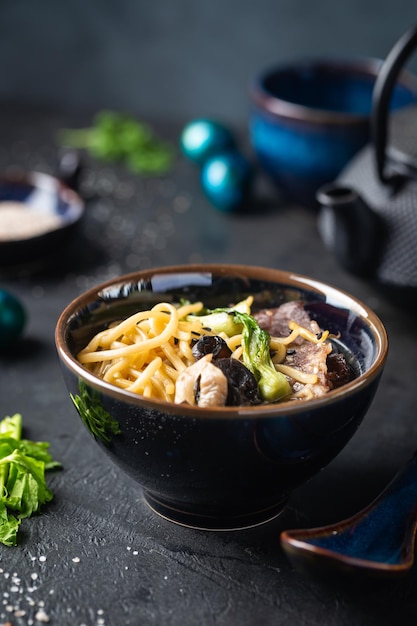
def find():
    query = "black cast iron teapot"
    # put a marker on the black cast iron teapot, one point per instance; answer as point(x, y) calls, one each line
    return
point(368, 216)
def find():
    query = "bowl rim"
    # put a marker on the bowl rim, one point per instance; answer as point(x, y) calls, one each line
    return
point(278, 107)
point(254, 272)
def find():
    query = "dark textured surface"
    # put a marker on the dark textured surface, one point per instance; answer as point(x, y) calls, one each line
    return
point(109, 559)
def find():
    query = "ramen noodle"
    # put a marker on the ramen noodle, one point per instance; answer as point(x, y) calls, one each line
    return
point(146, 353)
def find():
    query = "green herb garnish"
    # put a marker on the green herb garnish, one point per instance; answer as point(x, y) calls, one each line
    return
point(98, 421)
point(23, 487)
point(119, 137)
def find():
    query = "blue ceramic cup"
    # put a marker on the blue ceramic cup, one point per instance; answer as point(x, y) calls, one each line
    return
point(309, 118)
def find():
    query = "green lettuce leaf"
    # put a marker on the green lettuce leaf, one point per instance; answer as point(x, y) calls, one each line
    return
point(23, 488)
point(9, 525)
point(11, 426)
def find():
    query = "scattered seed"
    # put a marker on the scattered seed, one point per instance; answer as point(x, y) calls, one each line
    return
point(41, 616)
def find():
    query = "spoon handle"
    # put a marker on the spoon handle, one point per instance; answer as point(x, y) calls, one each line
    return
point(378, 539)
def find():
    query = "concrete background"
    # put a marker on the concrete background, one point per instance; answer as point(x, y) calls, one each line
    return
point(177, 58)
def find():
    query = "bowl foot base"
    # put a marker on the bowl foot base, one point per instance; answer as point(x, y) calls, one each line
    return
point(214, 523)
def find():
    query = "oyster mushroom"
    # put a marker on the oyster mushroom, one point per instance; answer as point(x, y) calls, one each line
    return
point(202, 383)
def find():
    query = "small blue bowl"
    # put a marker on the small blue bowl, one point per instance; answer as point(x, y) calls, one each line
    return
point(38, 215)
point(220, 467)
point(309, 118)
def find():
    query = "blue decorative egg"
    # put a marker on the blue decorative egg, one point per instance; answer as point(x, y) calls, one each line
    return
point(12, 319)
point(226, 180)
point(202, 138)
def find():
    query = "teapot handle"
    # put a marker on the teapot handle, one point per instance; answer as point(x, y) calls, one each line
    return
point(381, 96)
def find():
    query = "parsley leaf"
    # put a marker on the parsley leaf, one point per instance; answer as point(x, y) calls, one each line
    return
point(121, 138)
point(98, 421)
point(23, 488)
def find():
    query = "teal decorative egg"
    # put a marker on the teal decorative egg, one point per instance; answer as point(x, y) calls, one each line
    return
point(226, 180)
point(202, 138)
point(12, 319)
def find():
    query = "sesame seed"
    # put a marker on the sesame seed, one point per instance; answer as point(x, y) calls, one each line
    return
point(41, 616)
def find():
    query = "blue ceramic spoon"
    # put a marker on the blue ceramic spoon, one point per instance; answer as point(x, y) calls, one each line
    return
point(377, 541)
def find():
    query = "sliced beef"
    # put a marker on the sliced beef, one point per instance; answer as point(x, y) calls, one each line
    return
point(310, 358)
point(331, 369)
point(275, 320)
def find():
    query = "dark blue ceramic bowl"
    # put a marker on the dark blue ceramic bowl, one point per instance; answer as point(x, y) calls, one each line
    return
point(226, 467)
point(50, 214)
point(309, 118)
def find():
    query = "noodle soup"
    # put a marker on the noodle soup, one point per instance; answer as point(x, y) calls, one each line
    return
point(156, 353)
point(218, 466)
